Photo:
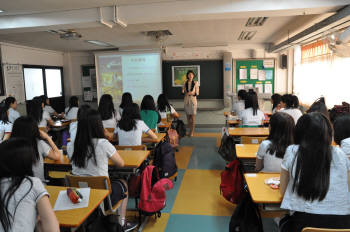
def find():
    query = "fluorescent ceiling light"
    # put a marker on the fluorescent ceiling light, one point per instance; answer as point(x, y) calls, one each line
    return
point(99, 43)
point(1, 11)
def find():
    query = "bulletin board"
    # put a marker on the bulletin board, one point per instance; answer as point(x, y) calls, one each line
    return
point(256, 73)
point(88, 83)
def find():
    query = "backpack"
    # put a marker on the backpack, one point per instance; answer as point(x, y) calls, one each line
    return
point(227, 148)
point(179, 126)
point(164, 159)
point(246, 217)
point(173, 138)
point(231, 185)
point(152, 197)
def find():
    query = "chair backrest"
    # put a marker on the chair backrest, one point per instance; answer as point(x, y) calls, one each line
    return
point(140, 147)
point(43, 128)
point(110, 130)
point(94, 182)
point(312, 229)
point(252, 139)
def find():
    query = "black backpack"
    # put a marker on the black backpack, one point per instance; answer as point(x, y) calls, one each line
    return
point(179, 126)
point(246, 217)
point(227, 148)
point(164, 159)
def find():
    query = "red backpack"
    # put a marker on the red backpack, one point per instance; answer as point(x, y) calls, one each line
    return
point(152, 197)
point(231, 185)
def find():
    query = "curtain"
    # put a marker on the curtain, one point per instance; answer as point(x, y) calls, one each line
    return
point(319, 72)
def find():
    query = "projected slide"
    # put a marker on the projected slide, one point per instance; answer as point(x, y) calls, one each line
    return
point(139, 74)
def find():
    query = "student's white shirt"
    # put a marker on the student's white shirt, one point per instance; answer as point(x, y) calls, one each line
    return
point(38, 167)
point(132, 137)
point(13, 115)
point(49, 109)
point(345, 146)
point(23, 203)
point(271, 162)
point(73, 133)
point(72, 114)
point(46, 117)
point(337, 200)
point(163, 113)
point(294, 112)
point(120, 111)
point(4, 128)
point(238, 107)
point(112, 122)
point(104, 150)
point(248, 119)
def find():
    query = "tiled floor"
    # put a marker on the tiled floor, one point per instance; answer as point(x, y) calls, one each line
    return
point(195, 203)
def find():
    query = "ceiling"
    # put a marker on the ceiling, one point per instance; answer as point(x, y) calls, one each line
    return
point(211, 23)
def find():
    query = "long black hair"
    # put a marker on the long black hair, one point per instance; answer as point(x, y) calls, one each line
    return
point(288, 100)
point(9, 100)
point(242, 94)
point(148, 103)
point(281, 133)
point(126, 100)
point(295, 101)
point(16, 164)
point(319, 106)
point(44, 99)
point(341, 128)
point(26, 127)
point(82, 112)
point(188, 73)
point(73, 102)
point(129, 117)
point(36, 109)
point(4, 114)
point(89, 128)
point(251, 101)
point(163, 103)
point(313, 134)
point(276, 99)
point(106, 107)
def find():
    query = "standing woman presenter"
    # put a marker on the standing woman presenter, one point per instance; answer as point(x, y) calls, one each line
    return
point(191, 91)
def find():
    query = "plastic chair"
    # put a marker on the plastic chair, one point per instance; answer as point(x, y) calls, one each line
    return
point(252, 139)
point(95, 182)
point(312, 229)
point(140, 147)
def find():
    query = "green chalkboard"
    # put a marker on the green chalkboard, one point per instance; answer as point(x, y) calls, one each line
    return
point(253, 73)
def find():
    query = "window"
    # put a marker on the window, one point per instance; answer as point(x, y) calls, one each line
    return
point(40, 80)
point(319, 72)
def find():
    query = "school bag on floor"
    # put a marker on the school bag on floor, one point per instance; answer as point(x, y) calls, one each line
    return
point(173, 138)
point(153, 196)
point(180, 127)
point(231, 186)
point(227, 149)
point(164, 159)
point(246, 217)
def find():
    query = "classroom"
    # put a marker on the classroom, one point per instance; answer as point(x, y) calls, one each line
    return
point(175, 115)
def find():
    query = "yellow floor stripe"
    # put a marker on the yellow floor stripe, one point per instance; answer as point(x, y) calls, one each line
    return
point(199, 194)
point(183, 156)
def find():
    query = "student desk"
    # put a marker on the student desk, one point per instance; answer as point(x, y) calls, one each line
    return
point(246, 153)
point(160, 137)
point(164, 125)
point(237, 122)
point(75, 217)
point(249, 131)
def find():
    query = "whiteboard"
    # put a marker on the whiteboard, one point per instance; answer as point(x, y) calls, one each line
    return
point(14, 83)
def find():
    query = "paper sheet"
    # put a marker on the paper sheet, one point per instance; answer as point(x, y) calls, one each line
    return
point(269, 63)
point(86, 81)
point(248, 86)
point(64, 203)
point(268, 88)
point(268, 74)
point(261, 75)
point(242, 74)
point(239, 87)
point(253, 73)
point(260, 87)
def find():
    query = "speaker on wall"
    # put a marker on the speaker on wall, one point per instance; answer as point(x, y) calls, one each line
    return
point(284, 61)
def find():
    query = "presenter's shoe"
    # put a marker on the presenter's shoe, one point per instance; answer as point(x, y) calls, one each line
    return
point(129, 226)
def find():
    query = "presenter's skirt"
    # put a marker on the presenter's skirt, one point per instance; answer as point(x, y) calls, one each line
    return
point(190, 103)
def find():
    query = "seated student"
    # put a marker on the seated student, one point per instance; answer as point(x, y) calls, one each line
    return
point(319, 106)
point(108, 114)
point(291, 107)
point(11, 104)
point(276, 100)
point(23, 197)
point(342, 133)
point(149, 112)
point(26, 127)
point(5, 124)
point(37, 112)
point(314, 178)
point(90, 158)
point(271, 151)
point(126, 101)
point(239, 105)
point(71, 112)
point(131, 127)
point(48, 108)
point(74, 125)
point(252, 116)
point(164, 107)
